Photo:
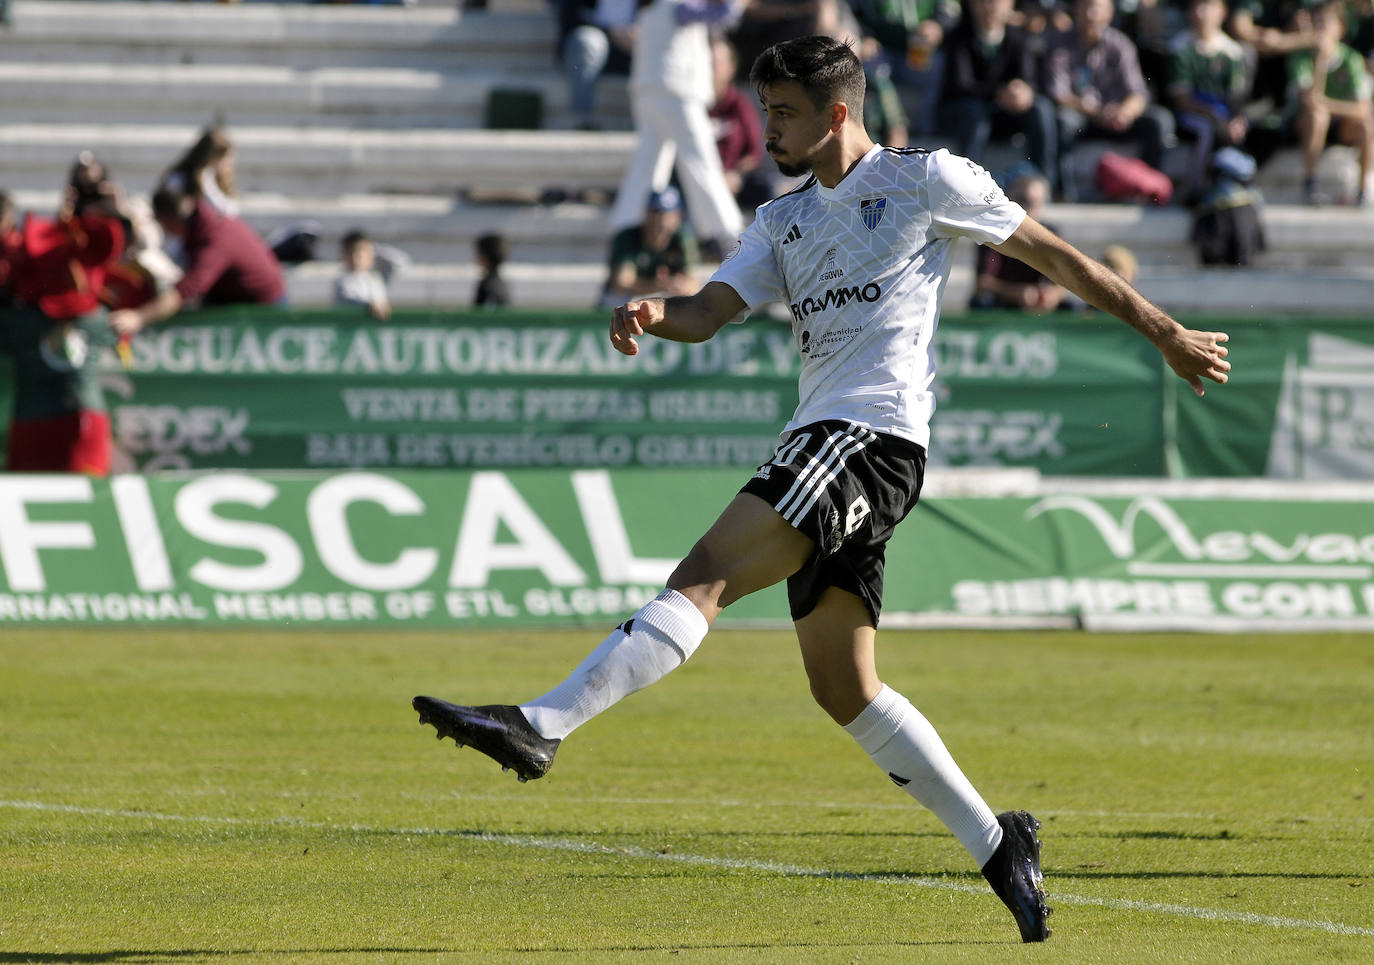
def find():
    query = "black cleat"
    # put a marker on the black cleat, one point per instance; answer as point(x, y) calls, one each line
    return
point(1014, 873)
point(497, 730)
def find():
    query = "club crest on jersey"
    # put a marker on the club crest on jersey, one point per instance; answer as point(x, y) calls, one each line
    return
point(871, 210)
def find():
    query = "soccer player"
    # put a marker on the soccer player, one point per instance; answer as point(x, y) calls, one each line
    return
point(861, 252)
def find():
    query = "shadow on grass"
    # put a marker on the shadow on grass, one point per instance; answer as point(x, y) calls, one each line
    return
point(1158, 835)
point(130, 955)
point(1061, 874)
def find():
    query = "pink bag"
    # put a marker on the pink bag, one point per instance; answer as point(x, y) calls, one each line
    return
point(1123, 178)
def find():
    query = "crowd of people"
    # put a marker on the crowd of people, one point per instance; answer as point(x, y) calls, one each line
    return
point(1251, 77)
point(1225, 86)
point(1232, 84)
point(107, 264)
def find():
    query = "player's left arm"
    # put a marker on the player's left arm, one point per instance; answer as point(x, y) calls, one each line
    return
point(1193, 355)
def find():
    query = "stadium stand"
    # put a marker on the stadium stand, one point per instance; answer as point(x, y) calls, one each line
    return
point(374, 116)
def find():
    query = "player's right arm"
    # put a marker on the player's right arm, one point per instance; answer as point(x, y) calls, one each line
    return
point(680, 318)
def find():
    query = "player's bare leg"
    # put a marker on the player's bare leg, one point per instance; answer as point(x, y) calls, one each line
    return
point(748, 548)
point(837, 644)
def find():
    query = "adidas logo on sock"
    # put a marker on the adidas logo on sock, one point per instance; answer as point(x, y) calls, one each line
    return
point(792, 235)
point(899, 781)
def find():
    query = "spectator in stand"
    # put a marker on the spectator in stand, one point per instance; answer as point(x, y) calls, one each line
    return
point(670, 92)
point(1152, 26)
point(1208, 85)
point(226, 263)
point(361, 283)
point(885, 117)
point(1272, 27)
point(739, 133)
point(1338, 107)
point(492, 252)
point(1004, 282)
point(989, 89)
point(658, 256)
point(763, 23)
point(1269, 30)
point(910, 34)
point(54, 326)
point(91, 191)
point(143, 266)
point(595, 37)
point(208, 170)
point(1095, 80)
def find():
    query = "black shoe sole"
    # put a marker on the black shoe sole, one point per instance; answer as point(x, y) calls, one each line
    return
point(1031, 910)
point(482, 729)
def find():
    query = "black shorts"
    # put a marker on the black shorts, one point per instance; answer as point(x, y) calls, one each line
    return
point(846, 488)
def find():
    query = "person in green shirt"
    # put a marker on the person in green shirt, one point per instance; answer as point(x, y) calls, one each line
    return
point(658, 256)
point(911, 35)
point(1208, 84)
point(1330, 98)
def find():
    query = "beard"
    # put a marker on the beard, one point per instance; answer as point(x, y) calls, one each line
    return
point(795, 169)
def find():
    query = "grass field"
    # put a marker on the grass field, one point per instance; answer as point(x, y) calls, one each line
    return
point(176, 797)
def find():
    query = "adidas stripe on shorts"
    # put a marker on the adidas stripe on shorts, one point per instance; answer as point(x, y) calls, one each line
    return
point(847, 488)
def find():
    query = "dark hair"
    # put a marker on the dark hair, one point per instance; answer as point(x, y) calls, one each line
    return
point(493, 248)
point(172, 204)
point(353, 239)
point(212, 146)
point(827, 70)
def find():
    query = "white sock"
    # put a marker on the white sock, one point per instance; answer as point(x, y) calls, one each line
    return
point(663, 634)
point(906, 747)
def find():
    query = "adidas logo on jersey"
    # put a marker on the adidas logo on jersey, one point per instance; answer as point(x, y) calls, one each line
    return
point(792, 235)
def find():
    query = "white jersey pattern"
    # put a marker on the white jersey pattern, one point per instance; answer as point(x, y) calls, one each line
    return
point(863, 266)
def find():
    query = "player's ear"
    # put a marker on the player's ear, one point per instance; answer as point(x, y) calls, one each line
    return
point(839, 113)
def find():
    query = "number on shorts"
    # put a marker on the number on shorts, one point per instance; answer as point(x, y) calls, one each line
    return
point(789, 452)
point(858, 512)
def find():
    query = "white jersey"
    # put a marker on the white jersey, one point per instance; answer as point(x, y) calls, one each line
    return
point(863, 266)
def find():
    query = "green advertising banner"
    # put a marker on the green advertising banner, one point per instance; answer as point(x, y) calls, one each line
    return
point(1062, 394)
point(588, 547)
point(1301, 405)
point(271, 389)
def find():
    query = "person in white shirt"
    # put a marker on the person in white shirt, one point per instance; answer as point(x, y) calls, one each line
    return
point(671, 90)
point(860, 255)
point(361, 283)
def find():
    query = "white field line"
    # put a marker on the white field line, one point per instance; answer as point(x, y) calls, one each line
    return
point(905, 805)
point(733, 864)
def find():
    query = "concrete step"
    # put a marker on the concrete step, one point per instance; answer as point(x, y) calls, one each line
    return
point(441, 227)
point(1182, 292)
point(253, 94)
point(1261, 291)
point(427, 227)
point(315, 160)
point(1322, 233)
point(533, 285)
point(288, 34)
point(451, 285)
point(1338, 174)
